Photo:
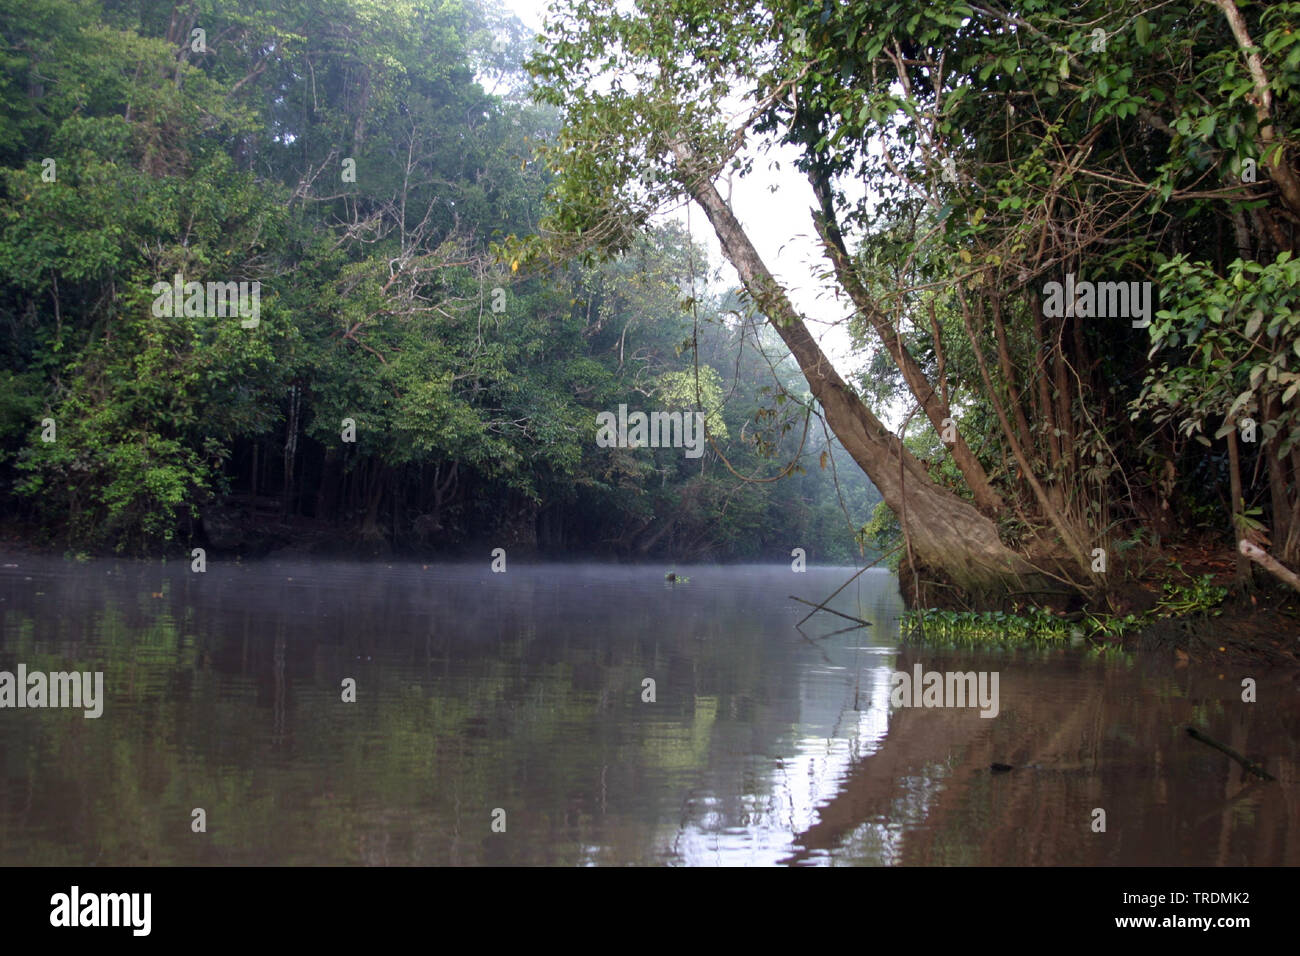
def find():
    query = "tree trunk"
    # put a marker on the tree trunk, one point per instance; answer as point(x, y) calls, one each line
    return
point(327, 495)
point(375, 495)
point(1286, 536)
point(1234, 484)
point(1059, 521)
point(936, 410)
point(949, 538)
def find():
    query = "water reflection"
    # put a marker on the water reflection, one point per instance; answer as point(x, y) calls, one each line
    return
point(523, 691)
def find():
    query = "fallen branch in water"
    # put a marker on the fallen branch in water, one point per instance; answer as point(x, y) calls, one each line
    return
point(1250, 765)
point(822, 606)
point(822, 637)
point(1269, 563)
point(847, 617)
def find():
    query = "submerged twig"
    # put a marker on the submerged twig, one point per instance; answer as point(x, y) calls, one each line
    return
point(1250, 765)
point(820, 650)
point(822, 637)
point(847, 617)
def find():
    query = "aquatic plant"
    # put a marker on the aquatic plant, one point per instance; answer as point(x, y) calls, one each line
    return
point(1198, 595)
point(1201, 596)
point(974, 628)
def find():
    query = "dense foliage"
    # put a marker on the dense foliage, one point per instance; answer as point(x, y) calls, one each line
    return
point(400, 385)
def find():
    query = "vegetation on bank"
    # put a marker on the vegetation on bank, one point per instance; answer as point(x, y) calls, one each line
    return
point(402, 387)
point(1185, 595)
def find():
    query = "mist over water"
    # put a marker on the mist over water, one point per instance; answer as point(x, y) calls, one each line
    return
point(523, 692)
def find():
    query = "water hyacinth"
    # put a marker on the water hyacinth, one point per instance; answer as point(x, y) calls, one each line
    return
point(971, 629)
point(1038, 627)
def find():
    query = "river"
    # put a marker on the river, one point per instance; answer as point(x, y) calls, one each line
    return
point(505, 718)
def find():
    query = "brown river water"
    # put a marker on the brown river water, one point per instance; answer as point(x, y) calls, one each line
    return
point(502, 719)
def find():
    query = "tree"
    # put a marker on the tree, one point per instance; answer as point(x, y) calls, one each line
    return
point(609, 186)
point(1005, 150)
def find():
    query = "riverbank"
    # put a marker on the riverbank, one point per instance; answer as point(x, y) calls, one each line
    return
point(1258, 621)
